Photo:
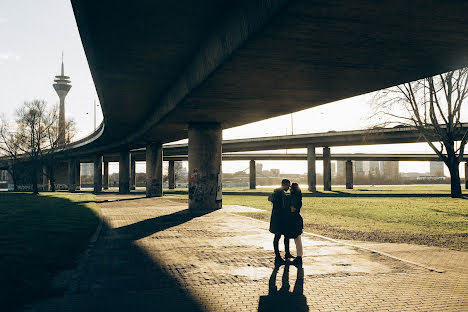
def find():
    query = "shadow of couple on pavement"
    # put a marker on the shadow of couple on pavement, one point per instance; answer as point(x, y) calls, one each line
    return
point(283, 299)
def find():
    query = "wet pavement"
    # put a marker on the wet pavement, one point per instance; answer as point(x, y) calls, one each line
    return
point(154, 255)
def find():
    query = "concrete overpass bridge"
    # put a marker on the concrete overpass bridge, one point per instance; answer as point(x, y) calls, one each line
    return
point(168, 70)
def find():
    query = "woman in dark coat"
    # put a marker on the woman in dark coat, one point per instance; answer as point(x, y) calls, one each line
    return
point(295, 223)
point(279, 215)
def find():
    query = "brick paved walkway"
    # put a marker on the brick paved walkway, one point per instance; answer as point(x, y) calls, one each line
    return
point(152, 255)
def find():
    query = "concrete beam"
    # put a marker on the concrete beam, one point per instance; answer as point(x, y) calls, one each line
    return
point(97, 173)
point(154, 160)
point(311, 171)
point(124, 172)
point(349, 174)
point(204, 158)
point(132, 173)
point(105, 176)
point(253, 175)
point(72, 174)
point(326, 169)
point(171, 175)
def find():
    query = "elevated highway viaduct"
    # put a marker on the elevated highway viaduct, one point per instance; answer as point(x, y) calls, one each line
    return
point(169, 70)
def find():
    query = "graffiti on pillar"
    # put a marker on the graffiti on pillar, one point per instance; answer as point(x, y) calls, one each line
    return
point(194, 176)
point(219, 188)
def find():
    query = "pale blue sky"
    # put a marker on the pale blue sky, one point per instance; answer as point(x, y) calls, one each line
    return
point(33, 35)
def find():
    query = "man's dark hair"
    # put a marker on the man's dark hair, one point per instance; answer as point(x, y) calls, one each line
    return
point(285, 182)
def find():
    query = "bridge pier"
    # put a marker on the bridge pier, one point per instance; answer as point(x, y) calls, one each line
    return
point(77, 174)
point(326, 169)
point(311, 171)
point(253, 175)
point(105, 176)
point(72, 174)
point(97, 174)
point(466, 175)
point(154, 161)
point(132, 173)
point(204, 159)
point(124, 172)
point(171, 175)
point(45, 178)
point(349, 174)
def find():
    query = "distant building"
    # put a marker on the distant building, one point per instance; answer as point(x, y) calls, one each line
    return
point(340, 168)
point(87, 169)
point(259, 167)
point(374, 168)
point(3, 175)
point(275, 172)
point(358, 167)
point(436, 168)
point(333, 169)
point(391, 169)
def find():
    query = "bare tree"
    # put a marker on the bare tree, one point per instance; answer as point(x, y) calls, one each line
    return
point(9, 148)
point(434, 106)
point(34, 138)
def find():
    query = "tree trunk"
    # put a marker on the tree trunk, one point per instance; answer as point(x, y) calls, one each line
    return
point(34, 177)
point(455, 186)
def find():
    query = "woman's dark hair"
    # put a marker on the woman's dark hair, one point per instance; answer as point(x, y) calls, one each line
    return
point(295, 188)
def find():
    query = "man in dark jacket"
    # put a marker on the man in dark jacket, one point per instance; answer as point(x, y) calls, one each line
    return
point(278, 217)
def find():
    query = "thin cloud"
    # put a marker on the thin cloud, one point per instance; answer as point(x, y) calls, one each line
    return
point(8, 56)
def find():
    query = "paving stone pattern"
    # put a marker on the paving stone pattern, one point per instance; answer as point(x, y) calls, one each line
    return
point(153, 255)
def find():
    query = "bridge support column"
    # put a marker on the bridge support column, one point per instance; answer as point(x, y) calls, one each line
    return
point(132, 173)
point(311, 172)
point(97, 174)
point(105, 176)
point(171, 175)
point(253, 175)
point(72, 174)
point(154, 161)
point(326, 169)
point(78, 174)
point(45, 178)
point(204, 158)
point(466, 175)
point(124, 172)
point(349, 174)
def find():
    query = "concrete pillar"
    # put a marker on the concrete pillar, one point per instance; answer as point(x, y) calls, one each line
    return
point(10, 180)
point(349, 174)
point(466, 176)
point(105, 176)
point(45, 178)
point(253, 175)
point(204, 158)
point(72, 174)
point(326, 169)
point(124, 172)
point(97, 174)
point(132, 174)
point(77, 174)
point(311, 172)
point(154, 176)
point(171, 175)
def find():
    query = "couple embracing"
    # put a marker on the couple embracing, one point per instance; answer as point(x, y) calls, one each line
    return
point(287, 221)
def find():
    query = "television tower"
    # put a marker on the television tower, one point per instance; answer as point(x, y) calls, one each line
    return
point(62, 86)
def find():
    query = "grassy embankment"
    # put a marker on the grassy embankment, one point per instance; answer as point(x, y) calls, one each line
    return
point(41, 236)
point(412, 214)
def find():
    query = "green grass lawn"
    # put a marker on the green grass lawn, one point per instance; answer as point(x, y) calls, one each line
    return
point(412, 214)
point(41, 236)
